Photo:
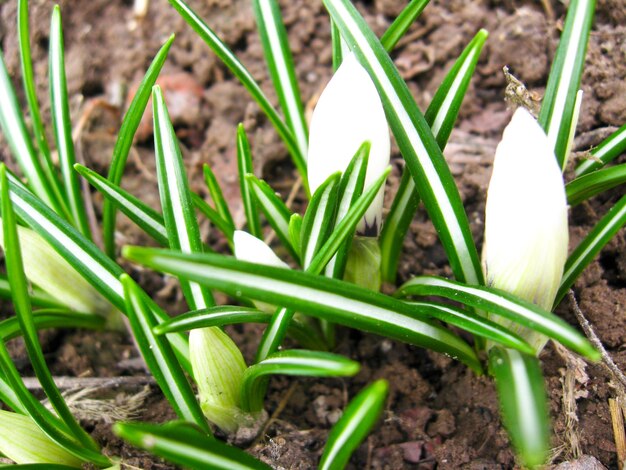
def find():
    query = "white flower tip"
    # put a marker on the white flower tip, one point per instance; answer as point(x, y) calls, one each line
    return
point(250, 248)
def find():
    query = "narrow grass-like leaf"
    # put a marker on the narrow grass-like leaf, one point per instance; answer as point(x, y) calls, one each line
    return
point(503, 304)
point(30, 89)
point(52, 426)
point(276, 212)
point(62, 124)
point(37, 296)
point(213, 216)
point(355, 423)
point(227, 315)
point(317, 296)
point(146, 218)
point(10, 398)
point(609, 149)
point(318, 219)
point(41, 466)
point(591, 245)
point(52, 318)
point(295, 233)
point(297, 362)
point(124, 141)
point(243, 75)
point(85, 257)
point(23, 311)
point(187, 446)
point(244, 163)
point(559, 101)
point(281, 67)
point(20, 143)
point(183, 232)
point(440, 116)
point(221, 205)
point(401, 24)
point(417, 144)
point(522, 402)
point(338, 44)
point(594, 183)
point(350, 189)
point(160, 357)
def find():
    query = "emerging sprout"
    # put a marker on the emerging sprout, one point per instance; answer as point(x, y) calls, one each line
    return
point(526, 234)
point(348, 113)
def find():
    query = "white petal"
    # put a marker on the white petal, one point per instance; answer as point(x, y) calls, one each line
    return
point(526, 234)
point(250, 248)
point(348, 113)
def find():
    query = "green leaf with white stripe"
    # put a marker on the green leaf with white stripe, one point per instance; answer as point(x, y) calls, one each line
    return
point(244, 164)
point(159, 356)
point(317, 296)
point(124, 141)
point(222, 225)
point(146, 218)
point(559, 101)
point(187, 446)
point(440, 116)
point(503, 304)
point(593, 183)
point(282, 70)
point(179, 214)
point(318, 219)
point(62, 124)
point(296, 362)
point(356, 421)
point(401, 24)
point(416, 141)
point(221, 205)
point(609, 149)
point(82, 254)
point(243, 75)
point(591, 245)
point(295, 233)
point(523, 403)
point(52, 318)
point(275, 210)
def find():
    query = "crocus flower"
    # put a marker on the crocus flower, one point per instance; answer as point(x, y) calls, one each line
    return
point(526, 233)
point(348, 113)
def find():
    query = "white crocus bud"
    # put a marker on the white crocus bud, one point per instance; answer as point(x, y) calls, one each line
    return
point(526, 233)
point(22, 441)
point(348, 113)
point(47, 269)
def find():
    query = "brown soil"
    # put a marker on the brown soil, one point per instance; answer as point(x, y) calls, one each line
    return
point(439, 414)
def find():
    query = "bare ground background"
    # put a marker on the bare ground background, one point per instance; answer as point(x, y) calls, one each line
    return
point(439, 415)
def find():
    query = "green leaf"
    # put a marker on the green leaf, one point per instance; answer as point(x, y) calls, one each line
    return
point(124, 141)
point(417, 144)
point(179, 214)
point(293, 362)
point(214, 217)
point(340, 48)
point(85, 257)
point(52, 318)
point(160, 357)
point(22, 149)
point(276, 212)
point(62, 124)
point(523, 403)
point(559, 101)
point(401, 24)
point(593, 183)
point(30, 88)
point(41, 466)
point(23, 311)
point(591, 245)
point(607, 151)
point(244, 163)
point(355, 423)
point(440, 116)
point(187, 446)
point(295, 233)
point(37, 296)
point(501, 303)
point(318, 219)
point(243, 75)
point(282, 70)
point(317, 296)
point(221, 205)
point(146, 218)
